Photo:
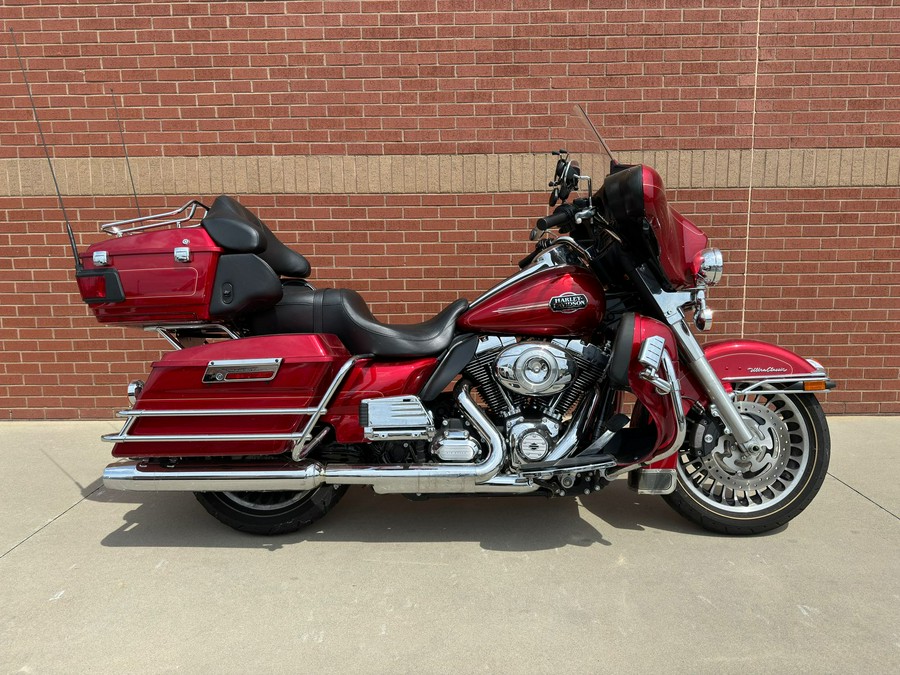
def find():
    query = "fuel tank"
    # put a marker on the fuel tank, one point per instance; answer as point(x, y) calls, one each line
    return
point(558, 301)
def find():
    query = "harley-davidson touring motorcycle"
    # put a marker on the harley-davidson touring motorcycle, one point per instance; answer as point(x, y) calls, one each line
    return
point(279, 395)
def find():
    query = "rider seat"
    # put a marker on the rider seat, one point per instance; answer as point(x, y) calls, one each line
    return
point(302, 309)
point(343, 312)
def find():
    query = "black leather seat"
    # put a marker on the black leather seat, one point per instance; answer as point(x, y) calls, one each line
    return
point(344, 313)
point(236, 229)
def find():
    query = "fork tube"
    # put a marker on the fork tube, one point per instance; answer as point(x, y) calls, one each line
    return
point(696, 361)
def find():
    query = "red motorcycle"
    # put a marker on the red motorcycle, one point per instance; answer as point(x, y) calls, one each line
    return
point(279, 395)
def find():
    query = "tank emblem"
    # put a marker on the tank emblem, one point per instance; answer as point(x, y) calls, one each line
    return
point(568, 302)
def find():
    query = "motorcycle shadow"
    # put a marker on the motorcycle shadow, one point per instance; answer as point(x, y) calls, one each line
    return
point(515, 524)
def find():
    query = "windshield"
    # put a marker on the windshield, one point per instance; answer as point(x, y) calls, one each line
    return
point(592, 133)
point(585, 145)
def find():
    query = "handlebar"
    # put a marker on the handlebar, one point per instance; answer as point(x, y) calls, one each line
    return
point(562, 215)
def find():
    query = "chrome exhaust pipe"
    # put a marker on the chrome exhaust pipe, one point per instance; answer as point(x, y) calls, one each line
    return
point(417, 479)
point(430, 478)
point(138, 475)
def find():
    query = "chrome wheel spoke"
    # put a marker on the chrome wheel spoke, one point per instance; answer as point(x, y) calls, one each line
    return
point(745, 482)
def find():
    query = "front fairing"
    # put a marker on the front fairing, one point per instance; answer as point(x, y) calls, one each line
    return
point(678, 238)
point(637, 208)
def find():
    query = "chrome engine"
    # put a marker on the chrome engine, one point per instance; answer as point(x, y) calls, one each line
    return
point(532, 385)
point(534, 369)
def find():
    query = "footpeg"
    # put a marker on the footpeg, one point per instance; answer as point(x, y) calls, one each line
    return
point(650, 357)
point(578, 464)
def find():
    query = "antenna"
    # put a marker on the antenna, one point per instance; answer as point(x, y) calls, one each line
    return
point(125, 151)
point(78, 266)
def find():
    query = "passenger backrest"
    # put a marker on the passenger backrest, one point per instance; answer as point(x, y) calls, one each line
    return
point(236, 229)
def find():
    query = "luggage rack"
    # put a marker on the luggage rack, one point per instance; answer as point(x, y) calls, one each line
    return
point(203, 330)
point(145, 222)
point(302, 442)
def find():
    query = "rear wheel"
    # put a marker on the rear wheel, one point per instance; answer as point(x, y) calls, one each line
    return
point(270, 513)
point(726, 490)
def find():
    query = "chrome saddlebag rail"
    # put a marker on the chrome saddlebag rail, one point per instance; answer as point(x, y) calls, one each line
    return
point(402, 478)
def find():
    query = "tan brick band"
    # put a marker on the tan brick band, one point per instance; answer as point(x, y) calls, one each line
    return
point(457, 174)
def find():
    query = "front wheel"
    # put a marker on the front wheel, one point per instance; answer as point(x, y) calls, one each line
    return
point(729, 491)
point(271, 512)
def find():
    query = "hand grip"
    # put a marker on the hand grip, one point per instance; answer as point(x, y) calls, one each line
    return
point(561, 216)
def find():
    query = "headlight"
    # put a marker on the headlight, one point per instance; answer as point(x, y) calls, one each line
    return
point(708, 266)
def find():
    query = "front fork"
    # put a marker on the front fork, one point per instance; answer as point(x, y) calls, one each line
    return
point(695, 359)
point(671, 306)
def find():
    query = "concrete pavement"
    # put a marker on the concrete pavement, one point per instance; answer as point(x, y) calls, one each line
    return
point(106, 582)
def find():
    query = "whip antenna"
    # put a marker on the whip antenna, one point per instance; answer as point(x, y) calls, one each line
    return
point(125, 152)
point(78, 266)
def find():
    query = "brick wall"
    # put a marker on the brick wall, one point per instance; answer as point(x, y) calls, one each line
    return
point(402, 146)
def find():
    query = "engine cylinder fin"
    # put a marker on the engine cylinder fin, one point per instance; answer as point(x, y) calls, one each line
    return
point(479, 371)
point(591, 362)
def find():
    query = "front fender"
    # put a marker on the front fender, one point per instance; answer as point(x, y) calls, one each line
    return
point(750, 361)
point(755, 361)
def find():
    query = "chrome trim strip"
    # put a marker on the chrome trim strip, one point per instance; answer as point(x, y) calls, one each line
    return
point(228, 363)
point(772, 385)
point(216, 412)
point(532, 269)
point(265, 370)
point(763, 379)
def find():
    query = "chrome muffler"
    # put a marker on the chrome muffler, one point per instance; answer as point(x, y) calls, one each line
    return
point(308, 475)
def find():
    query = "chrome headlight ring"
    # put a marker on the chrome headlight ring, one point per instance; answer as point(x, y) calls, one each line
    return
point(708, 265)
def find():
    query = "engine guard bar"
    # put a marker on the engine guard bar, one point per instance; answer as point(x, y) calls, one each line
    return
point(674, 395)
